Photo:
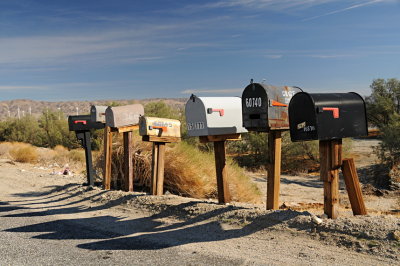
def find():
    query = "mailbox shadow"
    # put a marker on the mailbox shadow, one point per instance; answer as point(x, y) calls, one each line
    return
point(312, 182)
point(52, 192)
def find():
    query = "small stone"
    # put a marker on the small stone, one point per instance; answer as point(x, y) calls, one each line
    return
point(396, 235)
point(324, 216)
point(316, 220)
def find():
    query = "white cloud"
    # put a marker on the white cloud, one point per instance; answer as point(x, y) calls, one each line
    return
point(13, 88)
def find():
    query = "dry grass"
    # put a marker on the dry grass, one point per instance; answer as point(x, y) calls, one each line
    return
point(188, 172)
point(24, 153)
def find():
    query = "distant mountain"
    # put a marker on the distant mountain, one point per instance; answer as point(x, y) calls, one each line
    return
point(36, 108)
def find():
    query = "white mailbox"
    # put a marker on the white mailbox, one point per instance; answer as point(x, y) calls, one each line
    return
point(98, 113)
point(160, 127)
point(212, 116)
point(122, 116)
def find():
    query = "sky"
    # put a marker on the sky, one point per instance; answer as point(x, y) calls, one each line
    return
point(129, 49)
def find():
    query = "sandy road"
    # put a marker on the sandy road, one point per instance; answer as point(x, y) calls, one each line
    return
point(50, 220)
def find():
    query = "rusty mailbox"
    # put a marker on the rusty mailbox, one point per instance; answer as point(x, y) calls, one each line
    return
point(211, 116)
point(327, 116)
point(122, 116)
point(82, 124)
point(160, 127)
point(98, 113)
point(265, 107)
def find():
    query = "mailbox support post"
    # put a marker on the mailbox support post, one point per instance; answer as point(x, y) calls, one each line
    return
point(84, 137)
point(128, 160)
point(157, 169)
point(220, 166)
point(330, 154)
point(274, 169)
point(353, 187)
point(107, 158)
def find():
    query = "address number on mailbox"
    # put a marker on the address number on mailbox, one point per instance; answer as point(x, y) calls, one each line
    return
point(195, 126)
point(253, 102)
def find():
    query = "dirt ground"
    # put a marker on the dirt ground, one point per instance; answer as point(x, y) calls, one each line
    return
point(236, 234)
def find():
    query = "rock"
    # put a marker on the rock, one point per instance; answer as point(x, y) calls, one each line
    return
point(316, 220)
point(396, 235)
point(324, 216)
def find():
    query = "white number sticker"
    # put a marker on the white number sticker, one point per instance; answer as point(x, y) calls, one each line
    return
point(195, 126)
point(253, 102)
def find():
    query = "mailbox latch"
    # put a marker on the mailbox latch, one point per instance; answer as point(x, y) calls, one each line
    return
point(211, 110)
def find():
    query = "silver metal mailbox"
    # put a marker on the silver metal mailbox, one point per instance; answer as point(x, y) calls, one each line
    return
point(160, 127)
point(265, 107)
point(98, 113)
point(211, 116)
point(122, 116)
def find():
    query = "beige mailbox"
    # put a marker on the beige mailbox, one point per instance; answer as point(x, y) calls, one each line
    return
point(98, 113)
point(160, 127)
point(211, 116)
point(122, 116)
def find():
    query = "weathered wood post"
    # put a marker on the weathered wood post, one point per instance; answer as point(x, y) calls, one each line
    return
point(125, 120)
point(159, 131)
point(329, 117)
point(216, 119)
point(265, 109)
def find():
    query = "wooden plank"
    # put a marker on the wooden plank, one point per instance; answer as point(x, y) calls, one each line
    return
point(160, 168)
point(205, 139)
point(330, 175)
point(128, 161)
point(353, 187)
point(127, 128)
point(161, 139)
point(154, 170)
point(274, 169)
point(220, 166)
point(107, 158)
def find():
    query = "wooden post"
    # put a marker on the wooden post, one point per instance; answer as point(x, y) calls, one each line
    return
point(220, 163)
point(107, 158)
point(353, 187)
point(160, 169)
point(330, 154)
point(128, 161)
point(154, 169)
point(274, 169)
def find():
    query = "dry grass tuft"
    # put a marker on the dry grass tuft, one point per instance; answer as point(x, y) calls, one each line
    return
point(24, 153)
point(188, 172)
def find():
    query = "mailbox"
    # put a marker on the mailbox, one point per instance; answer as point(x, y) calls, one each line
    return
point(265, 107)
point(121, 116)
point(211, 116)
point(98, 113)
point(327, 116)
point(82, 123)
point(160, 127)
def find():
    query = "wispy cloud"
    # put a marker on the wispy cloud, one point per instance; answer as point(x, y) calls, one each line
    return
point(345, 9)
point(220, 91)
point(13, 88)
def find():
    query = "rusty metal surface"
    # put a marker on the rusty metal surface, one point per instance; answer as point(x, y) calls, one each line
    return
point(160, 127)
point(265, 107)
point(121, 116)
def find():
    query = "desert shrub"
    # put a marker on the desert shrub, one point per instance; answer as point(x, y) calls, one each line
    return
point(24, 153)
point(383, 109)
point(188, 171)
point(5, 148)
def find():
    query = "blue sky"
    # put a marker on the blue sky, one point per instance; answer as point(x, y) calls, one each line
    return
point(121, 49)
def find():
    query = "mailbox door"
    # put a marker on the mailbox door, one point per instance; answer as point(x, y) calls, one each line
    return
point(98, 113)
point(340, 115)
point(255, 108)
point(302, 118)
point(195, 113)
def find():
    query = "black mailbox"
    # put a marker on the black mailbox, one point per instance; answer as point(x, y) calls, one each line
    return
point(265, 107)
point(82, 124)
point(327, 116)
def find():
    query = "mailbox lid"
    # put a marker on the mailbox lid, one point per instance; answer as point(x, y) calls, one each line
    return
point(126, 115)
point(336, 116)
point(82, 123)
point(98, 113)
point(160, 127)
point(211, 116)
point(265, 107)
